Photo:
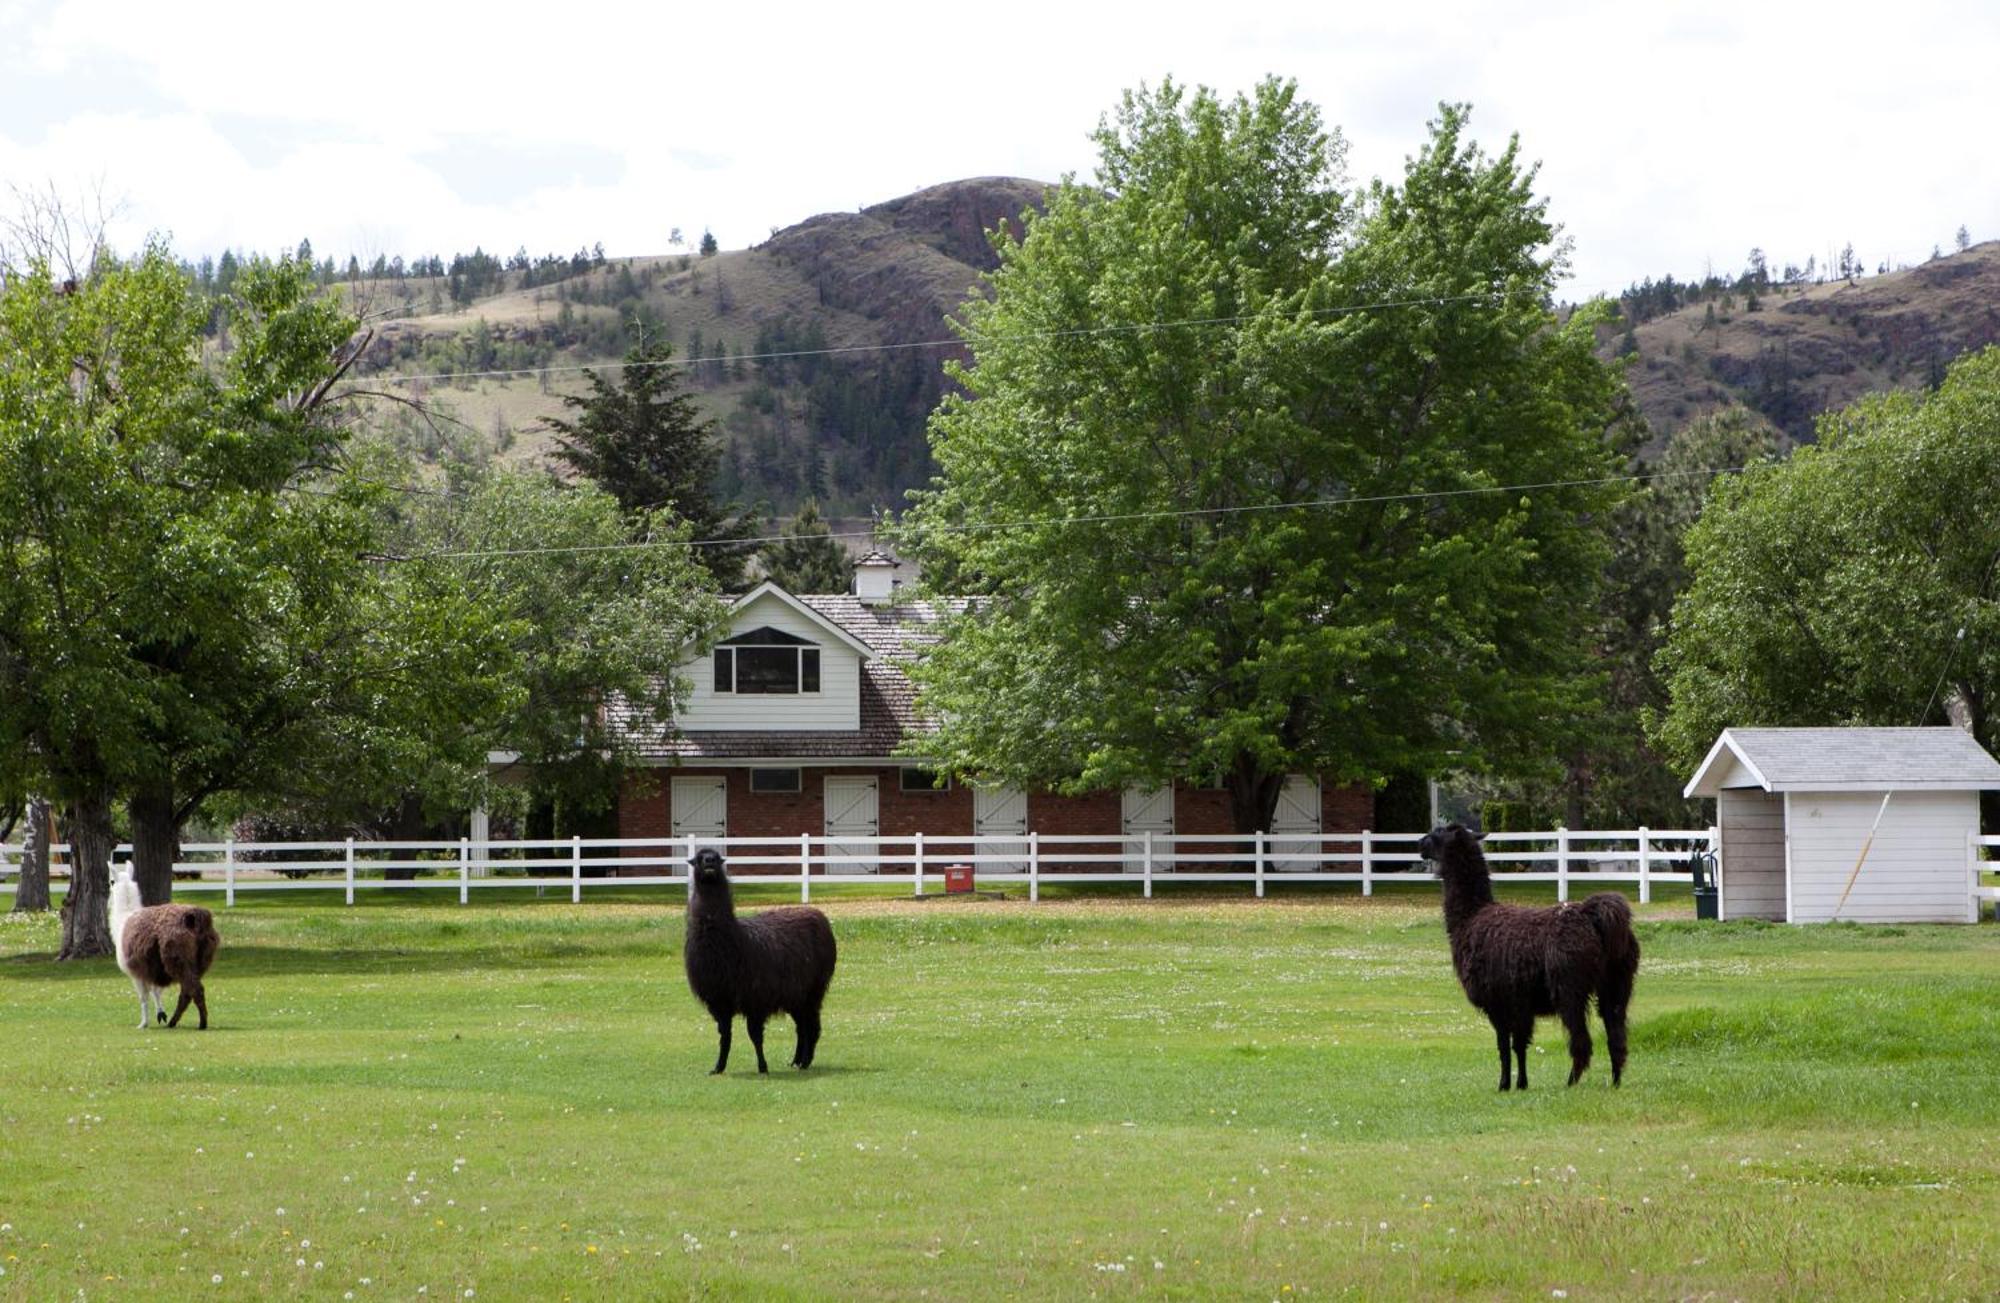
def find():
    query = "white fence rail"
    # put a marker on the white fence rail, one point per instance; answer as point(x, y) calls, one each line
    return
point(1978, 870)
point(1568, 858)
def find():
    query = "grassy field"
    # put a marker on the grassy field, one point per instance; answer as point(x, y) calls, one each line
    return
point(1194, 1097)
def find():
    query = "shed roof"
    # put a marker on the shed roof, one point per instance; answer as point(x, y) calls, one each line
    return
point(1846, 759)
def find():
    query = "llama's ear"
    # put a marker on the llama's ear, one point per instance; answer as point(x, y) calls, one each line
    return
point(1479, 836)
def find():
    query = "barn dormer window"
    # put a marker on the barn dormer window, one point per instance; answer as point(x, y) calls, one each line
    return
point(766, 661)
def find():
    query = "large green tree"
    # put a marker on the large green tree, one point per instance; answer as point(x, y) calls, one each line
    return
point(1830, 588)
point(642, 438)
point(190, 603)
point(596, 610)
point(1176, 357)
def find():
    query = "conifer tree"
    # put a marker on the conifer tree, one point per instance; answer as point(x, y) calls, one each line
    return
point(642, 439)
point(807, 559)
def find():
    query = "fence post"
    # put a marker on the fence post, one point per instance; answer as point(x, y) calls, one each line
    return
point(1146, 863)
point(1972, 874)
point(1645, 866)
point(1562, 863)
point(917, 869)
point(576, 870)
point(350, 870)
point(229, 873)
point(1260, 866)
point(1035, 865)
point(1367, 861)
point(464, 868)
point(806, 865)
point(687, 865)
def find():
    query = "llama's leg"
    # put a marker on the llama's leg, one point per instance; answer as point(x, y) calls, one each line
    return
point(181, 1007)
point(722, 1027)
point(159, 1004)
point(145, 1004)
point(755, 1025)
point(1524, 1032)
point(1612, 998)
point(807, 1022)
point(1500, 1034)
point(1576, 1020)
point(201, 1003)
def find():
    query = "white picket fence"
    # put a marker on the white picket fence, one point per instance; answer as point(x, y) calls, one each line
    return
point(1567, 858)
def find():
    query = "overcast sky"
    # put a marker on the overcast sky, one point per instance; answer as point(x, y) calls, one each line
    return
point(1671, 136)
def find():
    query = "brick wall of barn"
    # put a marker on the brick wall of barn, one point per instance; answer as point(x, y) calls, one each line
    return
point(645, 810)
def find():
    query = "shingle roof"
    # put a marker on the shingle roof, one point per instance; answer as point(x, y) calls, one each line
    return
point(1850, 759)
point(895, 633)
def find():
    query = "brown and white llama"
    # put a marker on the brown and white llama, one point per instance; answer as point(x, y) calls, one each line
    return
point(161, 946)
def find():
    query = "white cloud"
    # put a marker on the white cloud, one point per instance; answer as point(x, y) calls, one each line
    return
point(1670, 135)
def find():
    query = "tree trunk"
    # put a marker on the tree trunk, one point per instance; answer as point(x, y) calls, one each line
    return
point(31, 893)
point(156, 843)
point(86, 924)
point(1253, 796)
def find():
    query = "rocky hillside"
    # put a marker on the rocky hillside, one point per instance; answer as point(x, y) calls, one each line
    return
point(1807, 350)
point(753, 327)
point(764, 333)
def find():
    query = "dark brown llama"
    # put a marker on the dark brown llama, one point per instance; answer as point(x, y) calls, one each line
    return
point(1517, 962)
point(777, 961)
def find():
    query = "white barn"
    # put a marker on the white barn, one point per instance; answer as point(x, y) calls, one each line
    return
point(1869, 825)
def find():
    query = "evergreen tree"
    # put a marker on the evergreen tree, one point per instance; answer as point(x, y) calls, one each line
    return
point(643, 440)
point(807, 559)
point(708, 245)
point(1963, 239)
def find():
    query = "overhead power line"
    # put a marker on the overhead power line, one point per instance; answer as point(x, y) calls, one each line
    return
point(984, 527)
point(442, 377)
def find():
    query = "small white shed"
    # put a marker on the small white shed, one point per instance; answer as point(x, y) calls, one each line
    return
point(1869, 825)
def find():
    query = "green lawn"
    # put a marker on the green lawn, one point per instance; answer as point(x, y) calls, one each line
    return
point(1194, 1097)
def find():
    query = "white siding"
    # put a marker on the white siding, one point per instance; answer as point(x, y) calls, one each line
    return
point(836, 707)
point(1753, 853)
point(1915, 870)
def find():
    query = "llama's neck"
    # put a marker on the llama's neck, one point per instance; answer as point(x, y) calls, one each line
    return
point(124, 903)
point(712, 911)
point(1468, 888)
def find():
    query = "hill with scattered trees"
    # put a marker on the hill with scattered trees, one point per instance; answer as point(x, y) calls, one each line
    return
point(819, 352)
point(1788, 346)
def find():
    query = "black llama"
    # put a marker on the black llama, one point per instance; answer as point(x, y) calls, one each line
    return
point(778, 961)
point(1516, 962)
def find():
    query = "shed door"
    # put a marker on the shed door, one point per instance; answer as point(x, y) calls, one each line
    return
point(1751, 866)
point(700, 808)
point(1148, 812)
point(851, 813)
point(1001, 812)
point(1297, 814)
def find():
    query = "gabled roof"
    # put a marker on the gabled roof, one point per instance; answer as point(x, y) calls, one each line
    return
point(805, 608)
point(1846, 759)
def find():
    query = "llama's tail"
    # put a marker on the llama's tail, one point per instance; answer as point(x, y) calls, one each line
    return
point(125, 902)
point(1611, 914)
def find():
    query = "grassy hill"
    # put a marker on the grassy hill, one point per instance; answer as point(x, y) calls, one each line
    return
point(752, 326)
point(1817, 347)
point(820, 352)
